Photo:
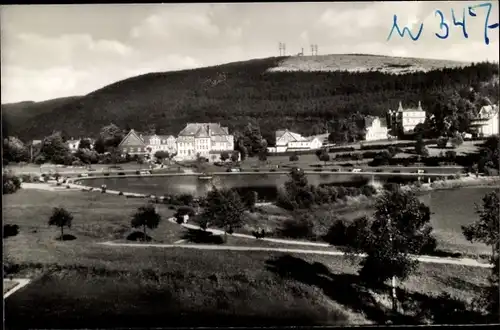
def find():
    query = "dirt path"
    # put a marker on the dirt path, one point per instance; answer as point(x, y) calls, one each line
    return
point(274, 240)
point(426, 259)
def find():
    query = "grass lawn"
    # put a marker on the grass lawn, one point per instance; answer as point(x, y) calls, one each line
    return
point(121, 286)
point(97, 217)
point(9, 285)
point(81, 284)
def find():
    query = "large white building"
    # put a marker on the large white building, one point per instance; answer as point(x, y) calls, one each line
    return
point(486, 122)
point(290, 141)
point(207, 140)
point(405, 120)
point(375, 128)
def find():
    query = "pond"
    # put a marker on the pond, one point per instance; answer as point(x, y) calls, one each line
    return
point(450, 209)
point(265, 184)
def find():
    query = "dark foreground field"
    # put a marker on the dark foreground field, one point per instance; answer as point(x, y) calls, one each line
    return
point(124, 287)
point(80, 284)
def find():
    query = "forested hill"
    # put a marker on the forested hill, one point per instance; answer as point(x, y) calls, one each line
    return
point(238, 93)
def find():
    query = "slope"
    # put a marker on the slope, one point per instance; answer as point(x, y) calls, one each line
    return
point(235, 94)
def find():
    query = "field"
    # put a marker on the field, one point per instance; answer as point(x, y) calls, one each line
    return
point(110, 286)
point(96, 216)
point(117, 287)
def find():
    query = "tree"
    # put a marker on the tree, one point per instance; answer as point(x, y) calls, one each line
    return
point(400, 227)
point(224, 209)
point(224, 156)
point(161, 155)
point(87, 156)
point(442, 142)
point(146, 217)
point(324, 156)
point(298, 191)
point(457, 140)
point(294, 157)
point(84, 144)
point(489, 154)
point(249, 198)
point(485, 230)
point(11, 183)
point(14, 150)
point(420, 148)
point(99, 146)
point(263, 155)
point(54, 149)
point(235, 156)
point(111, 136)
point(61, 218)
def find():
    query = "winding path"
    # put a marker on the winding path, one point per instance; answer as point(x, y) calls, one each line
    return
point(425, 259)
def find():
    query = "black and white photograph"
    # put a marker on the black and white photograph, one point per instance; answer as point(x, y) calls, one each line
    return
point(251, 164)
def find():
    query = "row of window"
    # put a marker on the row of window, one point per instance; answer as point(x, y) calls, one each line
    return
point(130, 150)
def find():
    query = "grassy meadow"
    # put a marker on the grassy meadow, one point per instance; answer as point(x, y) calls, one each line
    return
point(79, 283)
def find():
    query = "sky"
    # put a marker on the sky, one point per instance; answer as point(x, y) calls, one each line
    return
point(50, 51)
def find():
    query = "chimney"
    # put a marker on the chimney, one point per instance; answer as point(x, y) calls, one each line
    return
point(400, 108)
point(419, 105)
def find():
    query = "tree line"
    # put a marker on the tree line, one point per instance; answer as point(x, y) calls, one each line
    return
point(306, 102)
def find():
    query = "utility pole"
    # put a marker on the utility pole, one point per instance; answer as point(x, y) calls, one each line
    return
point(284, 49)
point(281, 47)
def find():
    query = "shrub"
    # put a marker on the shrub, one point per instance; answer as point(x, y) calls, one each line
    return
point(368, 190)
point(137, 172)
point(10, 230)
point(186, 199)
point(106, 174)
point(294, 158)
point(11, 183)
point(297, 228)
point(451, 154)
point(317, 170)
point(182, 211)
point(456, 140)
point(337, 233)
point(442, 142)
point(120, 193)
point(490, 171)
point(121, 173)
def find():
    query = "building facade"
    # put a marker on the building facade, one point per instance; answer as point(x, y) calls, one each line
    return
point(404, 121)
point(486, 122)
point(207, 140)
point(290, 141)
point(135, 143)
point(156, 143)
point(376, 128)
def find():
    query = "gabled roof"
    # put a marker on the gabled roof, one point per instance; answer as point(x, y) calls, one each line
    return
point(297, 137)
point(131, 134)
point(487, 112)
point(401, 109)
